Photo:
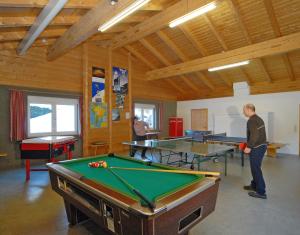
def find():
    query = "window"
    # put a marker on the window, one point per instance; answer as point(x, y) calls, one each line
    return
point(147, 113)
point(52, 116)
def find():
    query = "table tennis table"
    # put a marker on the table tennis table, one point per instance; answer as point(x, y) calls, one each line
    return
point(222, 138)
point(184, 147)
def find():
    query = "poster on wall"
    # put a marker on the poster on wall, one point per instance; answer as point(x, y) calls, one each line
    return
point(98, 85)
point(120, 100)
point(98, 115)
point(120, 80)
point(116, 116)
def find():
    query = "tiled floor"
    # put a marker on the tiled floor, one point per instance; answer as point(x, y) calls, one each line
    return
point(33, 208)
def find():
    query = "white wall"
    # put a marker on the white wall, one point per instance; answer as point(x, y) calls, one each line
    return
point(282, 110)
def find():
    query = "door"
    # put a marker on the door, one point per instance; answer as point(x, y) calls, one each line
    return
point(199, 119)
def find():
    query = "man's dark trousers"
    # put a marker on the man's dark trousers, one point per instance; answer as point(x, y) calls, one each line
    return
point(256, 156)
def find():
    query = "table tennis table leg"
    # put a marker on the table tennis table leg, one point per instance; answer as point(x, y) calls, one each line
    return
point(242, 156)
point(225, 164)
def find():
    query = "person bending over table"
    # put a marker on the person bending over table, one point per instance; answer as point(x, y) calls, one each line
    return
point(139, 129)
point(256, 148)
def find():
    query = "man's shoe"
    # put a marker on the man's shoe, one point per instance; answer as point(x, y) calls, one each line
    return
point(257, 195)
point(249, 188)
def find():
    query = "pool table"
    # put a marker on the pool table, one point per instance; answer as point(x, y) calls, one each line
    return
point(181, 200)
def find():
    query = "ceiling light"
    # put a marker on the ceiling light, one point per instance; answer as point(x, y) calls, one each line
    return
point(229, 66)
point(129, 10)
point(113, 2)
point(192, 14)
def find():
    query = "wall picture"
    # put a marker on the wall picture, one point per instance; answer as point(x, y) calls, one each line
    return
point(98, 115)
point(116, 116)
point(120, 80)
point(98, 85)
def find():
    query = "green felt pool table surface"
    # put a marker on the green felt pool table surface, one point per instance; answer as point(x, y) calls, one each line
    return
point(154, 185)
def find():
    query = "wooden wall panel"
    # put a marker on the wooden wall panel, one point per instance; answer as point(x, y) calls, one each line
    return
point(34, 71)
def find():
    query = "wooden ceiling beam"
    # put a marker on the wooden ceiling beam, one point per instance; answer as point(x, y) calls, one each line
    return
point(277, 32)
point(27, 21)
point(176, 86)
point(19, 35)
point(158, 55)
point(164, 37)
point(267, 48)
point(161, 58)
point(86, 4)
point(156, 22)
point(72, 4)
point(37, 43)
point(188, 34)
point(235, 8)
point(203, 52)
point(139, 56)
point(86, 27)
point(67, 20)
point(215, 32)
point(218, 36)
point(246, 75)
point(263, 68)
point(42, 21)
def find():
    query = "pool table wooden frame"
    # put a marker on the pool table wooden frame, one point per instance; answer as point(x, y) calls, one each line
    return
point(86, 199)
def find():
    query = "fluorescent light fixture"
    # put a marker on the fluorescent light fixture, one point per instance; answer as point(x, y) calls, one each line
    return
point(192, 14)
point(126, 12)
point(229, 66)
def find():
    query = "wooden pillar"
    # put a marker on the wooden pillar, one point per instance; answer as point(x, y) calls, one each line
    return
point(130, 93)
point(109, 116)
point(85, 108)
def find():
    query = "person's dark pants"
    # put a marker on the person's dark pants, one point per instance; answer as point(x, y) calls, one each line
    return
point(256, 156)
point(134, 149)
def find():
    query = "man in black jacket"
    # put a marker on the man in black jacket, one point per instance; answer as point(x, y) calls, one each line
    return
point(256, 148)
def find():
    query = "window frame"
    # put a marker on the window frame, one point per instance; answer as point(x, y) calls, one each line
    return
point(53, 101)
point(156, 111)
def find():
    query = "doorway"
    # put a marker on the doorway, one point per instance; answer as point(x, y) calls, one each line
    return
point(199, 119)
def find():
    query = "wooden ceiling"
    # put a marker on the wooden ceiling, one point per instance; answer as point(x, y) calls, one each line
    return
point(271, 28)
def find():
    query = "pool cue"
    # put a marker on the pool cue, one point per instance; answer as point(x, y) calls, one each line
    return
point(150, 204)
point(169, 171)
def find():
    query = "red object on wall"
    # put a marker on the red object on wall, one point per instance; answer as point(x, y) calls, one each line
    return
point(175, 127)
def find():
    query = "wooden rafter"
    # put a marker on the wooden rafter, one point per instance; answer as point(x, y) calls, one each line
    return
point(221, 41)
point(151, 66)
point(19, 35)
point(277, 31)
point(164, 37)
point(246, 76)
point(155, 23)
point(215, 32)
point(27, 21)
point(139, 56)
point(267, 48)
point(161, 58)
point(37, 43)
point(41, 22)
point(42, 3)
point(72, 4)
point(201, 50)
point(86, 27)
point(67, 20)
point(188, 34)
point(238, 17)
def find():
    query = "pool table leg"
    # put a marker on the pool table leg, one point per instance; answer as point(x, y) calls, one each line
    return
point(73, 214)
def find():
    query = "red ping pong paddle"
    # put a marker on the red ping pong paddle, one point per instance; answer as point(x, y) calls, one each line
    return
point(242, 146)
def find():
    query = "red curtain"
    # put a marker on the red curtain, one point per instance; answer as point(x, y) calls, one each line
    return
point(81, 115)
point(17, 116)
